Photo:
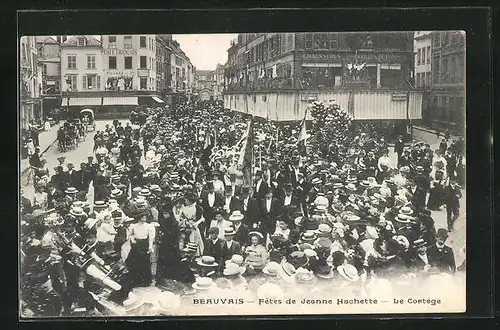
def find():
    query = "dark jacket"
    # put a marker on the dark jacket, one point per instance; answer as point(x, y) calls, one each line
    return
point(251, 212)
point(444, 260)
point(227, 253)
point(263, 189)
point(269, 217)
point(241, 235)
point(214, 250)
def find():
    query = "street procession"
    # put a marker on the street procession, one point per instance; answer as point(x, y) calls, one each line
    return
point(191, 208)
point(173, 192)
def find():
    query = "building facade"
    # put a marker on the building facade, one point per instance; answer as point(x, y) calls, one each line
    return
point(30, 82)
point(270, 61)
point(49, 58)
point(82, 66)
point(206, 83)
point(219, 82)
point(129, 62)
point(423, 50)
point(448, 79)
point(163, 64)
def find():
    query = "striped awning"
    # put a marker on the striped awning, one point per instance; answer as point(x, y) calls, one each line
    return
point(78, 101)
point(126, 100)
point(157, 99)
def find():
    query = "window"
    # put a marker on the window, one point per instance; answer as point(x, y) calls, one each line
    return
point(423, 56)
point(112, 62)
point(112, 41)
point(127, 42)
point(453, 70)
point(128, 62)
point(72, 82)
point(309, 41)
point(91, 82)
point(334, 41)
point(82, 42)
point(445, 70)
point(428, 54)
point(144, 83)
point(57, 86)
point(143, 62)
point(44, 68)
point(419, 56)
point(289, 41)
point(71, 61)
point(90, 61)
point(142, 42)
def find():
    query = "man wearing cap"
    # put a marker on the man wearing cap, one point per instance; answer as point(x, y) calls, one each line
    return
point(440, 255)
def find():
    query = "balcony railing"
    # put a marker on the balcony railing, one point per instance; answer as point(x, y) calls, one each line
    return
point(109, 93)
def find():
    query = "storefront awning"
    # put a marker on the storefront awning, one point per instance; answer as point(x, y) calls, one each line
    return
point(157, 99)
point(84, 101)
point(126, 100)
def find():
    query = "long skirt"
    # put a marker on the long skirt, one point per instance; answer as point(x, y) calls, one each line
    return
point(435, 198)
point(139, 264)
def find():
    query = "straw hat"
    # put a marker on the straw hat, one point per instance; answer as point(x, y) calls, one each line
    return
point(349, 272)
point(207, 261)
point(232, 269)
point(190, 247)
point(308, 236)
point(324, 230)
point(71, 190)
point(204, 283)
point(271, 269)
point(236, 216)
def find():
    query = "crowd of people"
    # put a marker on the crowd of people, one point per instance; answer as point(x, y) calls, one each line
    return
point(162, 194)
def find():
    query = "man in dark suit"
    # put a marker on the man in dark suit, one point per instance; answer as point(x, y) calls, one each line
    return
point(213, 245)
point(231, 203)
point(241, 230)
point(399, 146)
point(74, 177)
point(59, 179)
point(452, 195)
point(422, 185)
point(288, 197)
point(210, 201)
point(294, 171)
point(260, 187)
point(440, 255)
point(229, 247)
point(249, 207)
point(269, 211)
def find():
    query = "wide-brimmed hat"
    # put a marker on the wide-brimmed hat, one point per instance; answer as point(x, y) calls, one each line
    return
point(236, 216)
point(228, 231)
point(204, 283)
point(71, 190)
point(137, 190)
point(350, 218)
point(406, 210)
point(419, 243)
point(256, 233)
point(236, 259)
point(316, 181)
point(298, 259)
point(155, 188)
point(401, 218)
point(308, 236)
point(77, 211)
point(324, 230)
point(145, 192)
point(351, 187)
point(288, 268)
point(207, 261)
point(349, 272)
point(310, 253)
point(323, 242)
point(115, 193)
point(100, 205)
point(190, 247)
point(272, 268)
point(233, 269)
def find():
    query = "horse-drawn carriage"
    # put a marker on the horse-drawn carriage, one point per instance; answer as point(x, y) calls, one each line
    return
point(88, 119)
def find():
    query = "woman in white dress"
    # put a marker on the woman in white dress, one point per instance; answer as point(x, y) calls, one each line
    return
point(141, 235)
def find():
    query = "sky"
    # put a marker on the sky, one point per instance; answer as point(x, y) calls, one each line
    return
point(205, 50)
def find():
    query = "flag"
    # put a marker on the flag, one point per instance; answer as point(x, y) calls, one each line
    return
point(246, 151)
point(303, 131)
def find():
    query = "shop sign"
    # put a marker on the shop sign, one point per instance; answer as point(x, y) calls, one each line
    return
point(119, 73)
point(399, 96)
point(360, 58)
point(116, 51)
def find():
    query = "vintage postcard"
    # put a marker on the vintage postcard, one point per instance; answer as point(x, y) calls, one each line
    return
point(242, 174)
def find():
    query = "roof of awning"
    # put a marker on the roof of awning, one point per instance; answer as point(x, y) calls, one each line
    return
point(157, 99)
point(77, 101)
point(125, 100)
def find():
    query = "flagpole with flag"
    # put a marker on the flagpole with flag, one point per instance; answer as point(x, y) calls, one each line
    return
point(303, 131)
point(246, 155)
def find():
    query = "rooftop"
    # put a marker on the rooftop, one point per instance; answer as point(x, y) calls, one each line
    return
point(73, 42)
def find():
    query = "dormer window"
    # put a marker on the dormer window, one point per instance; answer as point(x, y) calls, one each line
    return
point(82, 42)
